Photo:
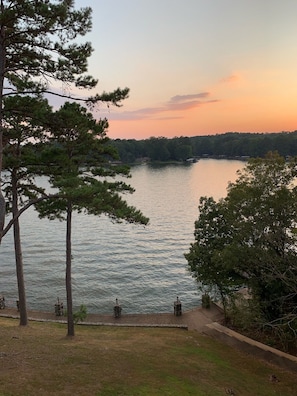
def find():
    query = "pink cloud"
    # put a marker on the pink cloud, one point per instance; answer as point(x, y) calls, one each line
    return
point(231, 79)
point(182, 98)
point(178, 103)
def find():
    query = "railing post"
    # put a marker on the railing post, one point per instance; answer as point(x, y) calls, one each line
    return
point(177, 307)
point(59, 311)
point(117, 309)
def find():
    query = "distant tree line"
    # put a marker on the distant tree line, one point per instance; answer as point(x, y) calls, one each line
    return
point(229, 145)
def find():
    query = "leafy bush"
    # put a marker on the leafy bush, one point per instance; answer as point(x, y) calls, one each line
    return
point(80, 315)
point(205, 301)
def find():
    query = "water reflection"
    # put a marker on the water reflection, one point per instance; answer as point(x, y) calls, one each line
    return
point(142, 266)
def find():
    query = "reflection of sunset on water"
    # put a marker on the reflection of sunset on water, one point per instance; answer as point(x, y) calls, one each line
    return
point(144, 267)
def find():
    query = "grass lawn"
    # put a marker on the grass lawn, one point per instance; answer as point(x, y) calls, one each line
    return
point(108, 361)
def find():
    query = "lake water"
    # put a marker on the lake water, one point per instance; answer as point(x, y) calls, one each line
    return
point(143, 266)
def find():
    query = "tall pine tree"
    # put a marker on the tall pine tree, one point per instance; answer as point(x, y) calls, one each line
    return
point(37, 48)
point(78, 163)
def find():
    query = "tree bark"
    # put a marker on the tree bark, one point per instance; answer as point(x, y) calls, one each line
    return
point(18, 255)
point(2, 212)
point(2, 72)
point(70, 321)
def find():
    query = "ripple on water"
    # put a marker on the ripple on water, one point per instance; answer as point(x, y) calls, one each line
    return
point(144, 267)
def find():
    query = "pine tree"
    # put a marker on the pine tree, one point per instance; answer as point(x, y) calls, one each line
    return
point(37, 48)
point(78, 163)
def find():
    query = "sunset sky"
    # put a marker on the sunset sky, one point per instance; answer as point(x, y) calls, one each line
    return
point(196, 67)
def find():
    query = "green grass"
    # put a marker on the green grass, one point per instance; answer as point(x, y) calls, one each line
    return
point(109, 361)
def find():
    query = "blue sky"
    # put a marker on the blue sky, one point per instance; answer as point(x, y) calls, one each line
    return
point(196, 67)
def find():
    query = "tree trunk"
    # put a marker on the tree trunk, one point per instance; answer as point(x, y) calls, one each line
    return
point(18, 255)
point(70, 321)
point(2, 212)
point(2, 72)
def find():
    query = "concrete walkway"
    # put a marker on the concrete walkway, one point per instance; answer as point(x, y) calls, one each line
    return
point(195, 319)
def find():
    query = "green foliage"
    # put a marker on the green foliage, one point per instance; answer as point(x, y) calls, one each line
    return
point(244, 313)
point(38, 42)
point(37, 47)
point(206, 258)
point(22, 117)
point(249, 238)
point(22, 128)
point(264, 207)
point(205, 301)
point(77, 161)
point(81, 314)
point(228, 145)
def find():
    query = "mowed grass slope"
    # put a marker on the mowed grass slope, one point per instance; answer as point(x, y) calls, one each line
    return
point(41, 360)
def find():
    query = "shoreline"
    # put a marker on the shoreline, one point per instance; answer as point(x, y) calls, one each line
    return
point(195, 319)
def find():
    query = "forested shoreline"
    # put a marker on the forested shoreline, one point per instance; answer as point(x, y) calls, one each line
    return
point(227, 145)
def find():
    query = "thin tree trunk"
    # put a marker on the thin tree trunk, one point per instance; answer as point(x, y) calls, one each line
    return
point(2, 73)
point(18, 255)
point(224, 302)
point(2, 211)
point(70, 321)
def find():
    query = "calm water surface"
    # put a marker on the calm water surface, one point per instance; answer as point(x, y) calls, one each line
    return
point(144, 267)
